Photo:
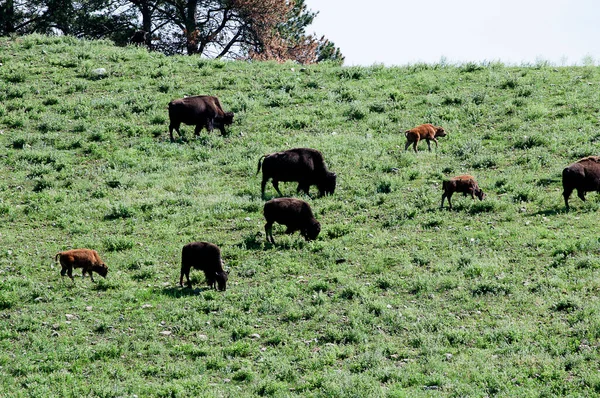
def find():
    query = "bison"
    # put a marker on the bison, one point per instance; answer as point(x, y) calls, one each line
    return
point(465, 184)
point(583, 175)
point(201, 111)
point(427, 132)
point(86, 259)
point(303, 165)
point(204, 256)
point(295, 214)
point(139, 38)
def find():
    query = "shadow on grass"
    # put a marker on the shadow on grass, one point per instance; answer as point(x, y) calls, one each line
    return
point(550, 212)
point(257, 242)
point(177, 292)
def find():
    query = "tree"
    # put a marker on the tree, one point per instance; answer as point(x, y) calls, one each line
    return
point(237, 29)
point(88, 18)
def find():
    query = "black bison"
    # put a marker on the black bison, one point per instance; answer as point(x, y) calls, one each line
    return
point(583, 175)
point(86, 259)
point(206, 257)
point(303, 165)
point(427, 132)
point(201, 111)
point(139, 38)
point(295, 214)
point(465, 184)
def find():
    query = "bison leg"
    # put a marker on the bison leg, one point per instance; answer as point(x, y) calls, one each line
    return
point(185, 271)
point(566, 193)
point(443, 197)
point(221, 127)
point(304, 188)
point(290, 230)
point(276, 186)
point(210, 280)
point(407, 145)
point(209, 124)
point(91, 276)
point(449, 195)
point(581, 194)
point(269, 232)
point(428, 144)
point(415, 145)
point(174, 126)
point(67, 270)
point(262, 186)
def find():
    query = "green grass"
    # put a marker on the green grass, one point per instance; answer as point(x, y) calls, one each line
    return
point(395, 298)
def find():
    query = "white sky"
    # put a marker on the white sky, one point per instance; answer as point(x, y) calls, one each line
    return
point(400, 32)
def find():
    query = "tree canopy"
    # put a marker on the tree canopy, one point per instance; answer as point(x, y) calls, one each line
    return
point(237, 29)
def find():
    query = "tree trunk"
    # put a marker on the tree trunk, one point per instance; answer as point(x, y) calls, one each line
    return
point(8, 18)
point(190, 27)
point(147, 22)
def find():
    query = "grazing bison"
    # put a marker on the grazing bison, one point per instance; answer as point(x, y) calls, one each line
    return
point(201, 111)
point(206, 257)
point(86, 259)
point(427, 132)
point(139, 38)
point(583, 175)
point(303, 165)
point(465, 184)
point(295, 214)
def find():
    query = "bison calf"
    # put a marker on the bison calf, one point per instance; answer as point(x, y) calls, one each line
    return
point(465, 184)
point(295, 214)
point(201, 111)
point(427, 132)
point(583, 175)
point(303, 165)
point(86, 259)
point(206, 257)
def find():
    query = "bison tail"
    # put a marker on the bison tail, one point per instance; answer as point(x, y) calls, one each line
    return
point(260, 163)
point(56, 257)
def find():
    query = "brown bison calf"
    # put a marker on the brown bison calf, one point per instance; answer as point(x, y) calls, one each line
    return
point(427, 132)
point(583, 175)
point(206, 257)
point(201, 111)
point(86, 259)
point(295, 214)
point(465, 184)
point(304, 165)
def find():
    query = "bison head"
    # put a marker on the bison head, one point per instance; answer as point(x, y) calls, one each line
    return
point(221, 278)
point(479, 193)
point(327, 186)
point(440, 132)
point(101, 270)
point(312, 231)
point(227, 118)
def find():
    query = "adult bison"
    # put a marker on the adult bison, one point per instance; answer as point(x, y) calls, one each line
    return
point(583, 175)
point(303, 165)
point(201, 111)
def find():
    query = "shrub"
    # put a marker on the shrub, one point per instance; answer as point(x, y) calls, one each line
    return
point(119, 211)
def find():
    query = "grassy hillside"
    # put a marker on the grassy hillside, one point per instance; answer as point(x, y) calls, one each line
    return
point(395, 298)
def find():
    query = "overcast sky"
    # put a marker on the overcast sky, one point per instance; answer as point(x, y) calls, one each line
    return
point(400, 32)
